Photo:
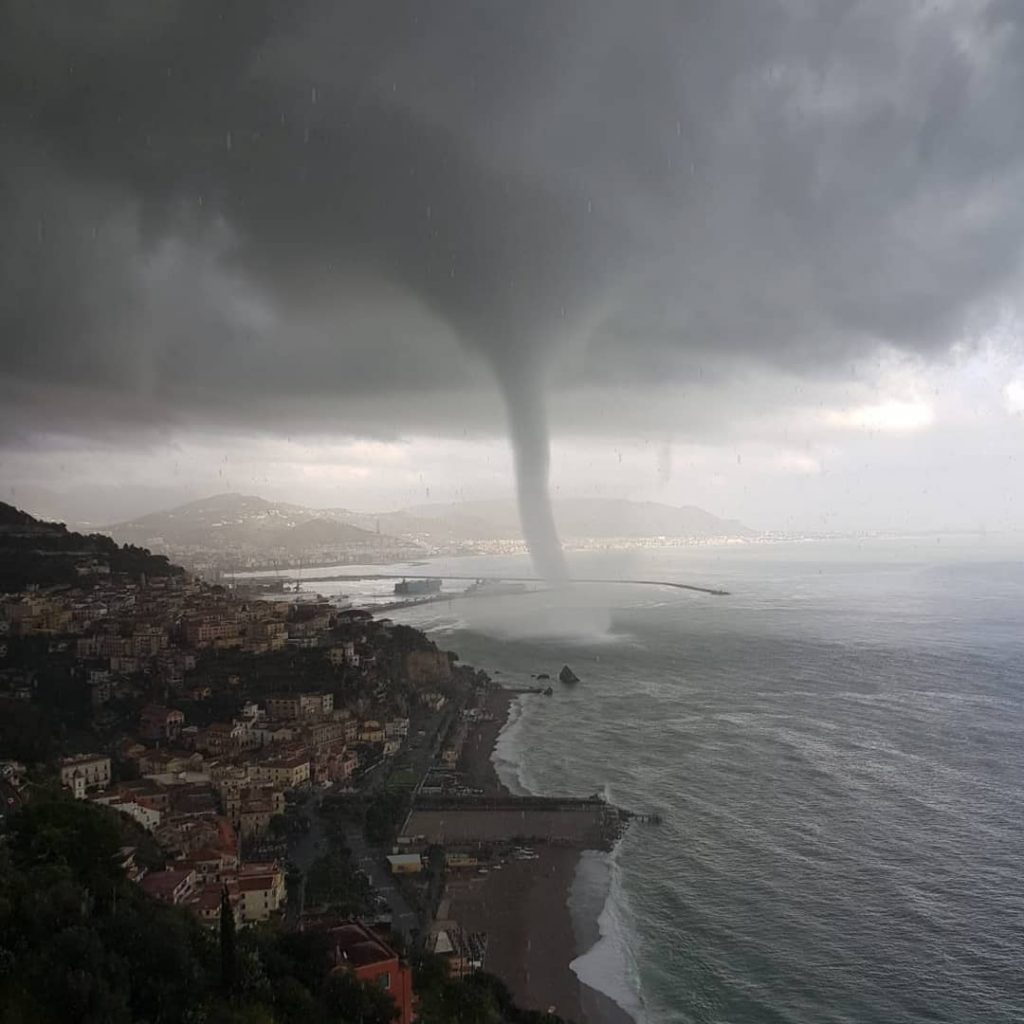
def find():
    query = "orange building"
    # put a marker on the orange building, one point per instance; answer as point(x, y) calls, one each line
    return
point(357, 949)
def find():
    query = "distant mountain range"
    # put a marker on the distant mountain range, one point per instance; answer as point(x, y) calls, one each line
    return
point(576, 518)
point(237, 522)
point(243, 522)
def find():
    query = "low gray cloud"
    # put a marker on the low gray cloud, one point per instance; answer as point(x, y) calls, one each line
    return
point(273, 199)
point(284, 213)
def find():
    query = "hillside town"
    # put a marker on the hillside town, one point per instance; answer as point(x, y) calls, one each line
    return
point(296, 765)
point(191, 698)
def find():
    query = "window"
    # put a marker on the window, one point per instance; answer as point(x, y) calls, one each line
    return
point(384, 980)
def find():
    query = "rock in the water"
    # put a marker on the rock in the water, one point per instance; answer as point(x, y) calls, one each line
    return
point(568, 676)
point(543, 675)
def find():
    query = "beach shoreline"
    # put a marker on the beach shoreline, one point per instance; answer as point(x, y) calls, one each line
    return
point(523, 906)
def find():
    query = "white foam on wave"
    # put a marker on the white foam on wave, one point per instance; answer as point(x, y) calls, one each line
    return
point(609, 966)
point(507, 756)
point(544, 616)
point(445, 627)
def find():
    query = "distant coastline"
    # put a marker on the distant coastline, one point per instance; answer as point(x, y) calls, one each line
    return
point(231, 533)
point(306, 571)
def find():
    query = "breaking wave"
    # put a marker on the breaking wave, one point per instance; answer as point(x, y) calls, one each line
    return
point(609, 965)
point(507, 756)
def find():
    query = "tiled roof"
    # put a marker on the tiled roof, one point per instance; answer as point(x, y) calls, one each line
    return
point(207, 899)
point(163, 883)
point(258, 867)
point(256, 883)
point(355, 944)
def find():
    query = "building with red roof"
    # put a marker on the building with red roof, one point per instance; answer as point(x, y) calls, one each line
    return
point(355, 948)
point(171, 886)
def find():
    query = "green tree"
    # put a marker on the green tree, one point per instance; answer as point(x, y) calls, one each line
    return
point(333, 880)
point(429, 971)
point(59, 832)
point(358, 1002)
point(228, 954)
point(384, 816)
point(457, 1002)
point(252, 1013)
point(79, 942)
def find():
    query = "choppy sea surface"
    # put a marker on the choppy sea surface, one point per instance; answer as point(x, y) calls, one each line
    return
point(836, 750)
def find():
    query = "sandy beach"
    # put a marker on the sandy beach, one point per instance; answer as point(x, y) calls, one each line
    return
point(476, 764)
point(523, 905)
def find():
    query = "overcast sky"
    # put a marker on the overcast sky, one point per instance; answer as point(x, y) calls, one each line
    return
point(763, 256)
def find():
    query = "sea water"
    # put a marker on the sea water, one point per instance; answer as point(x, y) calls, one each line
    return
point(836, 751)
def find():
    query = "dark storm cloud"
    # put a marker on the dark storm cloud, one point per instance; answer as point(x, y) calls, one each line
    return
point(312, 183)
point(236, 211)
point(204, 201)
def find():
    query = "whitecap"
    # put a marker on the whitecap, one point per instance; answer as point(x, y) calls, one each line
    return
point(609, 965)
point(507, 756)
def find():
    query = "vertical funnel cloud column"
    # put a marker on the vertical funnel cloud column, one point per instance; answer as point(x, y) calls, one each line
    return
point(528, 432)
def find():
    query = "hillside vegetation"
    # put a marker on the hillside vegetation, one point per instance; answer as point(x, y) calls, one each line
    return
point(46, 554)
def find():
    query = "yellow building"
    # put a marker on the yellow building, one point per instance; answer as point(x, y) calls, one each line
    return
point(459, 859)
point(262, 891)
point(285, 772)
point(371, 732)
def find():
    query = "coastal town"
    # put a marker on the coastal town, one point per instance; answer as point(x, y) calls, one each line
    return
point(291, 765)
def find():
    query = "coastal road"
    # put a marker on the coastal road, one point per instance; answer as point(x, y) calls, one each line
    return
point(303, 849)
point(416, 756)
point(315, 843)
point(403, 919)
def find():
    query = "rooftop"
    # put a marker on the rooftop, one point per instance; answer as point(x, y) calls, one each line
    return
point(207, 899)
point(296, 761)
point(256, 883)
point(162, 884)
point(258, 867)
point(404, 858)
point(355, 944)
point(82, 759)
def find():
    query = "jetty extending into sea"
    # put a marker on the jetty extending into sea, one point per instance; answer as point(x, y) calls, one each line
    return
point(586, 580)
